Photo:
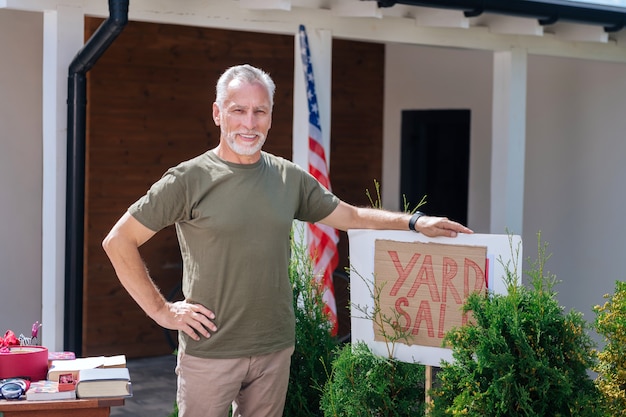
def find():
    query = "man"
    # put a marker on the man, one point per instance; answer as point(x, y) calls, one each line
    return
point(233, 208)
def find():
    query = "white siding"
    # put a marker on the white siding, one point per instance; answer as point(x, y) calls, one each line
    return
point(20, 170)
point(576, 176)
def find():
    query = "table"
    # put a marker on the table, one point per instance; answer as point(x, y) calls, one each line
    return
point(96, 407)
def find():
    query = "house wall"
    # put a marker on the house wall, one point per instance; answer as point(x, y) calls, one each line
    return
point(21, 180)
point(575, 173)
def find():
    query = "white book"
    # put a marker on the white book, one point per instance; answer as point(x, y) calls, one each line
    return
point(103, 383)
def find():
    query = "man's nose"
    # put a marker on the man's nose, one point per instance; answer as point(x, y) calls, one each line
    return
point(249, 120)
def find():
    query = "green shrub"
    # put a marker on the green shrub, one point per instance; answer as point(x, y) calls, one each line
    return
point(611, 323)
point(521, 356)
point(315, 345)
point(365, 384)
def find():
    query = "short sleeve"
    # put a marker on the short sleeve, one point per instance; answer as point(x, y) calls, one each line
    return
point(164, 204)
point(317, 201)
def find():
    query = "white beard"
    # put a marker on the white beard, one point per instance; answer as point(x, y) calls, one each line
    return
point(246, 150)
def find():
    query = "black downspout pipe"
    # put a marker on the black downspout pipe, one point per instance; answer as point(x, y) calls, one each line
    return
point(84, 60)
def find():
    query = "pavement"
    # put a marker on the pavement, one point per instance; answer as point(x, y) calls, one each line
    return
point(154, 388)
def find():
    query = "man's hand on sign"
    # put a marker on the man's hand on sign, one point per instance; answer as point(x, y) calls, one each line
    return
point(439, 226)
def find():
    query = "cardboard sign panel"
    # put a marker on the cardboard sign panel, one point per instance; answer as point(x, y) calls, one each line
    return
point(423, 287)
point(391, 258)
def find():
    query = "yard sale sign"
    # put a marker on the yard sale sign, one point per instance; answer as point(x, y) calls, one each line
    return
point(421, 285)
point(424, 285)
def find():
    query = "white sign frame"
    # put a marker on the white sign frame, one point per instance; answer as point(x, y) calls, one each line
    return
point(500, 251)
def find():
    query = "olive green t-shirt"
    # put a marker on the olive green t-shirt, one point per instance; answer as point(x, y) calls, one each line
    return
point(233, 223)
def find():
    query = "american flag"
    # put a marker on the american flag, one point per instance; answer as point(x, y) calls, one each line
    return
point(322, 239)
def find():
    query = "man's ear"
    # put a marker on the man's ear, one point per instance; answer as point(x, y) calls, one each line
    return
point(216, 114)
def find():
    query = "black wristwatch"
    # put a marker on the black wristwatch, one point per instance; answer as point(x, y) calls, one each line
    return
point(414, 219)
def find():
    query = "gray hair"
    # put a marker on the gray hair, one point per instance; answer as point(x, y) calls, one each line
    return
point(246, 73)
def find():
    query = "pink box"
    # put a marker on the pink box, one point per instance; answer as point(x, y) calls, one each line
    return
point(25, 361)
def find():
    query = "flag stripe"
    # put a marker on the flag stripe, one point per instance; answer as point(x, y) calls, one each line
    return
point(322, 239)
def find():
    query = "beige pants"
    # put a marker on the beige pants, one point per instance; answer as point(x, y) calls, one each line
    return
point(256, 386)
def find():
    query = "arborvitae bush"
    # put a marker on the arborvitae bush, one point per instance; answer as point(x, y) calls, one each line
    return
point(611, 323)
point(521, 355)
point(365, 384)
point(314, 343)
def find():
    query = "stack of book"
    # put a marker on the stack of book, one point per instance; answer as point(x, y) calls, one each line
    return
point(90, 377)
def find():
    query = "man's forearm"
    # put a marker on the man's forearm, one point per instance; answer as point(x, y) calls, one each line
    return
point(134, 276)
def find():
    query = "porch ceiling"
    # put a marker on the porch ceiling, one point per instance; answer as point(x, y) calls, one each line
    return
point(558, 20)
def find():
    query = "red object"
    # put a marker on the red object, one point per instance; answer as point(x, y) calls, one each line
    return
point(67, 382)
point(9, 339)
point(24, 361)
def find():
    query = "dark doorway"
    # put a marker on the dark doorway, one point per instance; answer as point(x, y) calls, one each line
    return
point(435, 161)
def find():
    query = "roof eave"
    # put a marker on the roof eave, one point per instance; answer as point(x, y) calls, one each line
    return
point(547, 12)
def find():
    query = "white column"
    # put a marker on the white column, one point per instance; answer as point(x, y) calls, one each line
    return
point(63, 37)
point(509, 141)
